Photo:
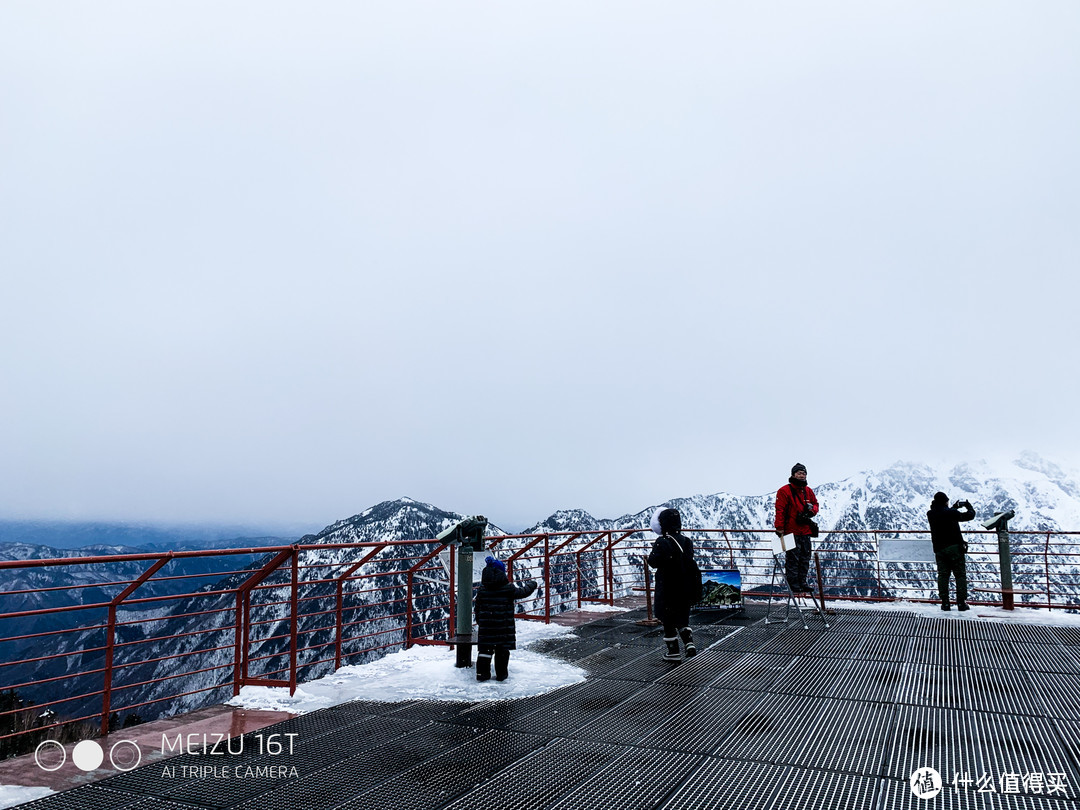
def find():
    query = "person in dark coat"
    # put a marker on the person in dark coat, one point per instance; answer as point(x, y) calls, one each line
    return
point(672, 597)
point(949, 546)
point(494, 604)
point(796, 506)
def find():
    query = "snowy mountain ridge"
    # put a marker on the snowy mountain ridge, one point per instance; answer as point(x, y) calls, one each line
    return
point(896, 498)
point(1044, 497)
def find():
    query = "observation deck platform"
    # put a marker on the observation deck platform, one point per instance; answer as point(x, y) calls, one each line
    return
point(765, 716)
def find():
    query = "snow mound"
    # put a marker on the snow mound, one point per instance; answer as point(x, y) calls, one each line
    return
point(423, 673)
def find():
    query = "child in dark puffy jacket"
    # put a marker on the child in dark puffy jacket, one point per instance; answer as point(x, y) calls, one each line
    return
point(495, 636)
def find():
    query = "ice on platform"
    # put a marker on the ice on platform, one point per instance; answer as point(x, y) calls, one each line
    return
point(12, 795)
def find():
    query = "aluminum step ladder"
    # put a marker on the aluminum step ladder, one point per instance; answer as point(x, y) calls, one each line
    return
point(791, 601)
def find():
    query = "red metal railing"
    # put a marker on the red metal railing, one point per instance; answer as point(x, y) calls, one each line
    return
point(287, 613)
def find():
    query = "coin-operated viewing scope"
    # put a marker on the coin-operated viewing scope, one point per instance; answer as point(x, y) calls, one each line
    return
point(469, 532)
point(468, 536)
point(1000, 524)
point(1000, 520)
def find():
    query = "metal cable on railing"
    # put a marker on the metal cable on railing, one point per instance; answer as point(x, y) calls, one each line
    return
point(305, 610)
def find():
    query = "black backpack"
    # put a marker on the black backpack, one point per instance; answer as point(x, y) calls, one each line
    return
point(691, 573)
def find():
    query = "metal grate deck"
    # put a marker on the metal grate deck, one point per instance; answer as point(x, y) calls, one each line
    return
point(638, 714)
point(770, 717)
point(822, 790)
point(610, 658)
point(848, 736)
point(542, 777)
point(579, 708)
point(440, 780)
point(637, 780)
point(877, 681)
point(724, 784)
point(700, 725)
point(938, 738)
point(813, 677)
point(705, 668)
point(755, 672)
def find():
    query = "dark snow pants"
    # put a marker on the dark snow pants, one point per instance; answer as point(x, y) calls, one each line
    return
point(797, 561)
point(485, 652)
point(951, 560)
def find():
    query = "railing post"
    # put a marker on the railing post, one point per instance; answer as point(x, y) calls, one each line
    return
point(877, 565)
point(295, 625)
point(609, 571)
point(339, 610)
point(1046, 568)
point(577, 558)
point(243, 607)
point(547, 579)
point(451, 629)
point(110, 638)
point(106, 695)
point(339, 628)
point(649, 620)
point(409, 576)
point(238, 637)
point(408, 608)
point(247, 637)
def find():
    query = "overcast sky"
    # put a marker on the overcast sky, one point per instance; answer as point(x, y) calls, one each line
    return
point(274, 262)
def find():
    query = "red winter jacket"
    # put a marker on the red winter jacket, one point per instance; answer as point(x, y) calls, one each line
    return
point(789, 503)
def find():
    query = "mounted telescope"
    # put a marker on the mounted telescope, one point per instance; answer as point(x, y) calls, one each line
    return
point(468, 535)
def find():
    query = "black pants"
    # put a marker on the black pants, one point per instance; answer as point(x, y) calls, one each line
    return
point(485, 652)
point(797, 561)
point(951, 561)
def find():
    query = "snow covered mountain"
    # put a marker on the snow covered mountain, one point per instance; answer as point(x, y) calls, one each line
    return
point(1043, 496)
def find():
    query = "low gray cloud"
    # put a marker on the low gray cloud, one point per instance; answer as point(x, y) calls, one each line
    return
point(271, 263)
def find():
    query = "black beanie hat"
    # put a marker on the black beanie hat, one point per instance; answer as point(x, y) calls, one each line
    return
point(798, 468)
point(941, 497)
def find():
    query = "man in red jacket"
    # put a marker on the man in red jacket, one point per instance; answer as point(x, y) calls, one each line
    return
point(796, 506)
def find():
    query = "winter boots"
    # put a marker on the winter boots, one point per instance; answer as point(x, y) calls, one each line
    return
point(483, 662)
point(672, 642)
point(687, 636)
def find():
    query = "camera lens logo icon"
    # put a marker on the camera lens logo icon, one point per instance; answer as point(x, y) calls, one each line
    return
point(925, 783)
point(88, 755)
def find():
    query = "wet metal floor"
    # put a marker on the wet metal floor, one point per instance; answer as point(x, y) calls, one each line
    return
point(764, 717)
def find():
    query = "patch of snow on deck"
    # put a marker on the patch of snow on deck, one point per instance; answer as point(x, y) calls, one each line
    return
point(423, 673)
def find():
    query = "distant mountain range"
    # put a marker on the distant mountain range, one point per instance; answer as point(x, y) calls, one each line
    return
point(69, 535)
point(1043, 496)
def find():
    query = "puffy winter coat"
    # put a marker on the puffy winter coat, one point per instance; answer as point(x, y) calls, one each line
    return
point(495, 607)
point(789, 503)
point(945, 525)
point(668, 556)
